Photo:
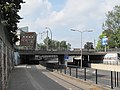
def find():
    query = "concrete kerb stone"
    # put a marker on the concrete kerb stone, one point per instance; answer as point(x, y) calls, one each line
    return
point(92, 85)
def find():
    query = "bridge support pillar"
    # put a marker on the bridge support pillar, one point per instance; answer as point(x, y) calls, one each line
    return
point(61, 59)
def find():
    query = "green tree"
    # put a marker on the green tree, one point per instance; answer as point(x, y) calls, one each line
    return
point(10, 17)
point(68, 46)
point(111, 29)
point(88, 45)
point(54, 45)
point(63, 45)
point(41, 46)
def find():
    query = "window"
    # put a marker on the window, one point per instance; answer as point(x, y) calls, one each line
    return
point(31, 41)
point(31, 36)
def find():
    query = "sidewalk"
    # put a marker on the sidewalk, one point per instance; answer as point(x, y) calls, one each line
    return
point(18, 80)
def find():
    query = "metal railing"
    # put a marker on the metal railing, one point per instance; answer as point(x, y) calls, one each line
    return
point(110, 79)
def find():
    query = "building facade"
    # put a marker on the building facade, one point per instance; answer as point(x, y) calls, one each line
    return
point(28, 40)
point(22, 29)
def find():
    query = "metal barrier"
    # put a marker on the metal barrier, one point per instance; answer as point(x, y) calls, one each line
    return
point(109, 79)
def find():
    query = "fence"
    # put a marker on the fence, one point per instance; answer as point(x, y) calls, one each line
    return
point(6, 63)
point(109, 79)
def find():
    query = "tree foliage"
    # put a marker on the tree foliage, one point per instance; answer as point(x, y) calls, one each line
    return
point(10, 17)
point(88, 45)
point(54, 45)
point(111, 29)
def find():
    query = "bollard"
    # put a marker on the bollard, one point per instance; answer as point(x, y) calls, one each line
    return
point(70, 70)
point(111, 79)
point(65, 70)
point(117, 79)
point(76, 72)
point(60, 69)
point(96, 76)
point(85, 74)
point(57, 68)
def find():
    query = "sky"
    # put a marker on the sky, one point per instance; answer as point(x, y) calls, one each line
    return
point(62, 15)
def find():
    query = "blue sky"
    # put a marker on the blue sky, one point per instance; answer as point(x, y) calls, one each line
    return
point(62, 15)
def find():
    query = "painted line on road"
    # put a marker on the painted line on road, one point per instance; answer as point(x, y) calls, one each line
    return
point(33, 82)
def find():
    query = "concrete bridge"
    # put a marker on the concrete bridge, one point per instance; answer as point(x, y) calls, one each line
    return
point(88, 57)
point(41, 52)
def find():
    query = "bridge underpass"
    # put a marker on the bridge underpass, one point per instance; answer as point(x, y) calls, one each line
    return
point(28, 57)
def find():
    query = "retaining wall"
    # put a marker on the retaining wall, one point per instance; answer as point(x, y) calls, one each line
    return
point(6, 58)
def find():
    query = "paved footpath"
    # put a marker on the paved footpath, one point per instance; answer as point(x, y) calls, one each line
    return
point(26, 77)
point(30, 78)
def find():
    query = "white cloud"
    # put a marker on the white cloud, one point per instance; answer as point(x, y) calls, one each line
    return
point(30, 7)
point(73, 13)
point(78, 14)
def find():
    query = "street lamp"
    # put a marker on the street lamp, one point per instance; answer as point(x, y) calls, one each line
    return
point(47, 28)
point(37, 38)
point(81, 39)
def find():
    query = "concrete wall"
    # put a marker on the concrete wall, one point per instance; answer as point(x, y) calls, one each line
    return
point(6, 58)
point(106, 67)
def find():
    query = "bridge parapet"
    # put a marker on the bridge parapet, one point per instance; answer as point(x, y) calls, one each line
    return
point(41, 52)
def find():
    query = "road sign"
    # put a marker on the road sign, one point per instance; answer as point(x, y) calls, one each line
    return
point(66, 57)
point(104, 41)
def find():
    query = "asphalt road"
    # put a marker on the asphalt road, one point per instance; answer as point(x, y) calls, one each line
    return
point(31, 78)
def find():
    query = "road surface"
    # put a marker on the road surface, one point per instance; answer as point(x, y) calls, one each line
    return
point(31, 78)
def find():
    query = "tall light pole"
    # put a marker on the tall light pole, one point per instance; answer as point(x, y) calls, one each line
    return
point(47, 28)
point(81, 40)
point(37, 38)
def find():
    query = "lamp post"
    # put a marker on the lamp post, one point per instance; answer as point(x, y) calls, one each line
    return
point(47, 28)
point(37, 38)
point(81, 40)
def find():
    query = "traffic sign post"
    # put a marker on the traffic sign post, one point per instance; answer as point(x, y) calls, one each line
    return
point(66, 57)
point(105, 41)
